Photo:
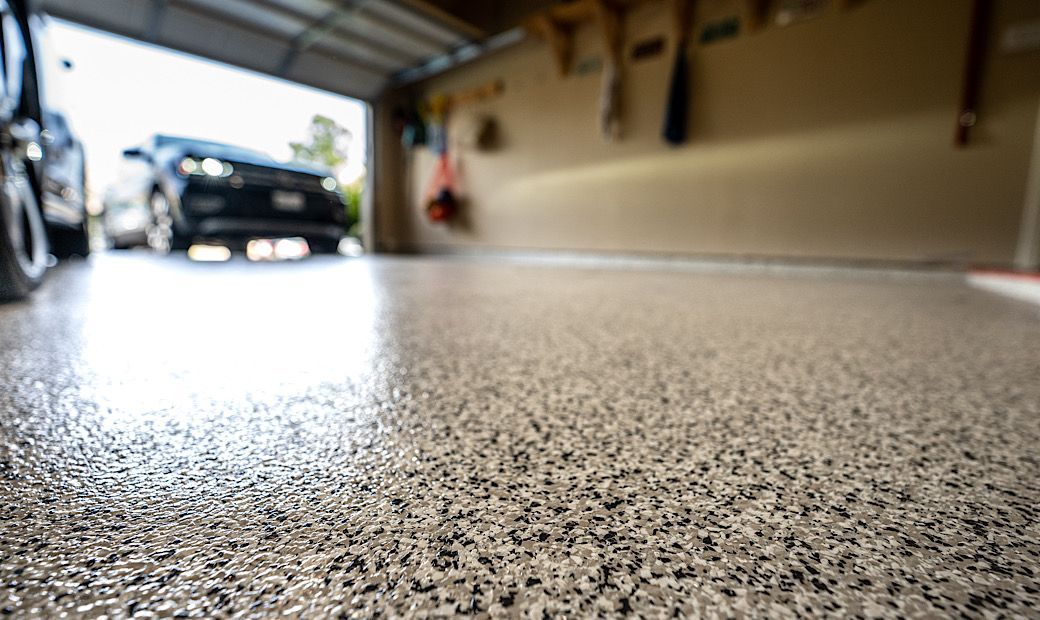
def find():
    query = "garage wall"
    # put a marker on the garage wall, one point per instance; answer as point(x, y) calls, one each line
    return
point(831, 138)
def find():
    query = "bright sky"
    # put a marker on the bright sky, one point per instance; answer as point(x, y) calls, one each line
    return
point(119, 92)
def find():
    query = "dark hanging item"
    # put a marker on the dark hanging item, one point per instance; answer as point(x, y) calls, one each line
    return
point(442, 207)
point(610, 101)
point(981, 16)
point(400, 121)
point(678, 104)
point(414, 133)
point(675, 116)
point(488, 137)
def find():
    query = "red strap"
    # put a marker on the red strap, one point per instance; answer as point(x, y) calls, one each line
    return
point(443, 177)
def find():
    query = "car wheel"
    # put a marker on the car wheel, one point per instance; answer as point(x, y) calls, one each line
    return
point(23, 234)
point(161, 235)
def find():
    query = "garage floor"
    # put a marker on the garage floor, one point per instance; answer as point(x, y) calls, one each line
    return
point(433, 437)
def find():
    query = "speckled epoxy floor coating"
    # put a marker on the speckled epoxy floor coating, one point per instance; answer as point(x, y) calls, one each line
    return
point(422, 438)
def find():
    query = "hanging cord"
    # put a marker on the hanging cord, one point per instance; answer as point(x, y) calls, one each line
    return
point(443, 177)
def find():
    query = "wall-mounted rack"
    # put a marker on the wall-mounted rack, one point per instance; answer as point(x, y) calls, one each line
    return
point(556, 26)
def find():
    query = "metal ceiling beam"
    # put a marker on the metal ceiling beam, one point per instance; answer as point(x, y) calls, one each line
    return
point(352, 17)
point(429, 10)
point(308, 37)
point(366, 46)
point(458, 56)
point(356, 81)
point(410, 17)
point(237, 22)
point(355, 47)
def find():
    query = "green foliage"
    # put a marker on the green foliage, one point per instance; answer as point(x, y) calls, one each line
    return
point(326, 146)
point(352, 198)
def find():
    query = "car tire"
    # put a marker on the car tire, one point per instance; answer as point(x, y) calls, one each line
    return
point(162, 236)
point(23, 233)
point(69, 242)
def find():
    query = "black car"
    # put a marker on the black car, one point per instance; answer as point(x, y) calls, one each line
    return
point(41, 163)
point(63, 187)
point(180, 190)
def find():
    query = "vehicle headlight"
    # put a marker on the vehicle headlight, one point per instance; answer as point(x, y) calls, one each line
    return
point(188, 166)
point(210, 166)
point(329, 184)
point(216, 168)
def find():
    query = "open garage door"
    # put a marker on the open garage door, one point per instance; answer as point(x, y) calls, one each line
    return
point(349, 47)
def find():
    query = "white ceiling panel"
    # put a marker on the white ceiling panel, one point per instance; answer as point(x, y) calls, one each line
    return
point(242, 11)
point(322, 72)
point(410, 20)
point(350, 47)
point(311, 8)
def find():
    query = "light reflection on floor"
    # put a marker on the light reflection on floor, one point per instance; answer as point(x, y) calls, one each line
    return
point(154, 326)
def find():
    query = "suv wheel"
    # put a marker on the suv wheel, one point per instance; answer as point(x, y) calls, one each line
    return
point(23, 234)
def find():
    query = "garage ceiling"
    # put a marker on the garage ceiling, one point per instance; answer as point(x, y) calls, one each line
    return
point(493, 17)
point(350, 47)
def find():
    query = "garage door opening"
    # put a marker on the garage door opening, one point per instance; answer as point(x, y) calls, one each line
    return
point(183, 153)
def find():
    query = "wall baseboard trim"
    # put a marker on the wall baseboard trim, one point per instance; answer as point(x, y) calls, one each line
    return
point(706, 263)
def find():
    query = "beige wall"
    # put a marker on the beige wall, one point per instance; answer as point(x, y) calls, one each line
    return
point(831, 138)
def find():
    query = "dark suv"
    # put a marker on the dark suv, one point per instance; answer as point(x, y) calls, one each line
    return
point(41, 164)
point(177, 190)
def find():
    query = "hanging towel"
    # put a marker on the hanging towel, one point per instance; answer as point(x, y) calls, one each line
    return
point(678, 99)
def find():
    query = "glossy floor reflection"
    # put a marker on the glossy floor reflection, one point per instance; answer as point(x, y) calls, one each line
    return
point(426, 437)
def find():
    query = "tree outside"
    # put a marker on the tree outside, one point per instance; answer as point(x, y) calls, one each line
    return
point(326, 147)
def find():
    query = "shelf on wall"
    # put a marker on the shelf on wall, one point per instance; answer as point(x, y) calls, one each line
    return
point(557, 25)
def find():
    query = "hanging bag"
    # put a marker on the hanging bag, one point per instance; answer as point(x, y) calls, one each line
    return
point(441, 204)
